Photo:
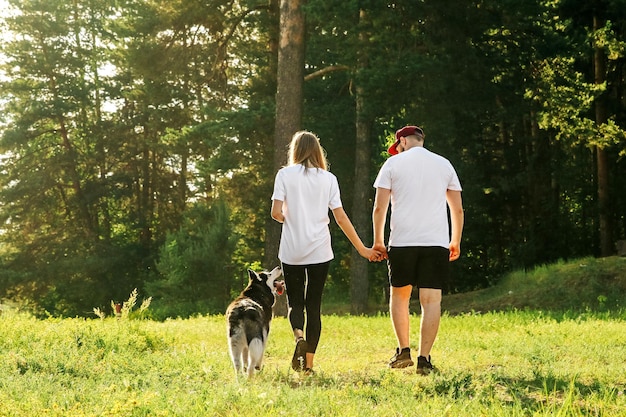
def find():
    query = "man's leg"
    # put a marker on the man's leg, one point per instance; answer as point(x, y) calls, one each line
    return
point(430, 300)
point(399, 311)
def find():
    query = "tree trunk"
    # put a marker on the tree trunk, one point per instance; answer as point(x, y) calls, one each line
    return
point(606, 247)
point(289, 80)
point(361, 208)
point(543, 209)
point(290, 77)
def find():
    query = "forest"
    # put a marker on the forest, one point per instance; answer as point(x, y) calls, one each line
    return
point(139, 139)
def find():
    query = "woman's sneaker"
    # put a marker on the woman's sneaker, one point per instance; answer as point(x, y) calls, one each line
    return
point(401, 359)
point(424, 367)
point(298, 362)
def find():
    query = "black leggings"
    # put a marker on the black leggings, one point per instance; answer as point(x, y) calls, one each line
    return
point(305, 284)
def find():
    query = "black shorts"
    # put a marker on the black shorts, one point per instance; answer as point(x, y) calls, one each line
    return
point(420, 266)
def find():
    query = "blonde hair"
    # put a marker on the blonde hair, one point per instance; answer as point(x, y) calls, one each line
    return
point(305, 149)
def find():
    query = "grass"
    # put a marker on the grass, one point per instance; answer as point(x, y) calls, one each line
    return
point(505, 362)
point(495, 364)
point(596, 284)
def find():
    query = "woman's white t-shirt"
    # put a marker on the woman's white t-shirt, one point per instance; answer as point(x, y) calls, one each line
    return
point(307, 194)
point(418, 180)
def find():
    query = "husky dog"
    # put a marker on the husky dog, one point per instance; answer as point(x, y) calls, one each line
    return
point(248, 320)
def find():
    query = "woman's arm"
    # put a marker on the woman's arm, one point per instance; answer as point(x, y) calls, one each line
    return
point(348, 229)
point(277, 211)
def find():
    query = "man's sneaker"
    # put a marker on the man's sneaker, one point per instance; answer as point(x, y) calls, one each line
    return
point(401, 359)
point(298, 362)
point(424, 367)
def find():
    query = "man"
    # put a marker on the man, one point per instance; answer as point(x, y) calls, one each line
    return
point(419, 184)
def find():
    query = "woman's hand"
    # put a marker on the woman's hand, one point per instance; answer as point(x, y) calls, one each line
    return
point(373, 255)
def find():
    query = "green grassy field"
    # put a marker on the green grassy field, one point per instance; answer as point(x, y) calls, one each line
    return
point(528, 362)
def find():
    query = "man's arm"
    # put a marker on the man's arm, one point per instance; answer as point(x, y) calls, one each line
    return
point(456, 221)
point(379, 217)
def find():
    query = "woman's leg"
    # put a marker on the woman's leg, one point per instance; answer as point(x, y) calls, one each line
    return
point(295, 279)
point(295, 282)
point(316, 279)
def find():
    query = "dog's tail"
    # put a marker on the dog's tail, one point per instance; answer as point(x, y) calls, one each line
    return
point(255, 355)
point(256, 336)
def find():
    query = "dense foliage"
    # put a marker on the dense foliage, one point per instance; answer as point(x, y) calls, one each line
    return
point(136, 136)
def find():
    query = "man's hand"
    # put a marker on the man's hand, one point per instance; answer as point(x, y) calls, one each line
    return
point(455, 251)
point(382, 250)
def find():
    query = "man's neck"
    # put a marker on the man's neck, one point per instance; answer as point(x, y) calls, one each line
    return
point(411, 145)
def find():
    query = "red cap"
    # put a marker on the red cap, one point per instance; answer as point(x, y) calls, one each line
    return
point(404, 132)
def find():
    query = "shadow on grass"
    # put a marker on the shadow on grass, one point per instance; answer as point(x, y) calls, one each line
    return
point(539, 393)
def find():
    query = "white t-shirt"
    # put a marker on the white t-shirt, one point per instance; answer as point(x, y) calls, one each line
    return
point(418, 180)
point(307, 194)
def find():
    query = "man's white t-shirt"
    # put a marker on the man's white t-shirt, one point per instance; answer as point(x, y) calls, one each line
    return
point(307, 194)
point(418, 180)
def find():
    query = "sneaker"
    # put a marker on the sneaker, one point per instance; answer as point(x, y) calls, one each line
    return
point(401, 359)
point(298, 362)
point(424, 367)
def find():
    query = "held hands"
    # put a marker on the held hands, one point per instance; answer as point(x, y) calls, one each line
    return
point(375, 253)
point(382, 250)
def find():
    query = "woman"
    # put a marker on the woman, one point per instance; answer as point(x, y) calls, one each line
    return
point(303, 192)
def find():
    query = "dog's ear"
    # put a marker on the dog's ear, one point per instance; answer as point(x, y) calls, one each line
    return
point(252, 275)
